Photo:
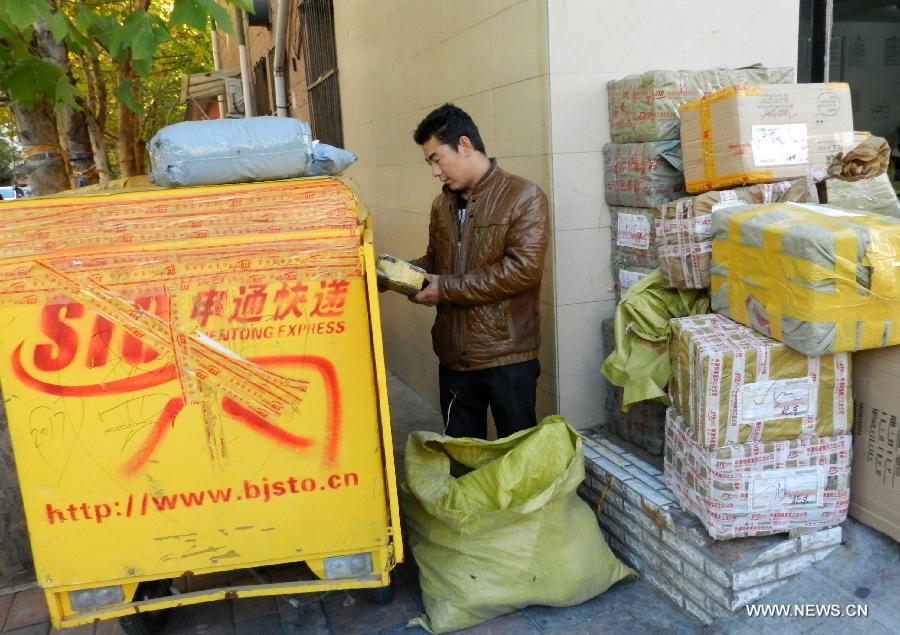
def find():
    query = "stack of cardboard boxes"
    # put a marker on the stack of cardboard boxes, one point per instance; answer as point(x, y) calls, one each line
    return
point(643, 169)
point(763, 429)
point(758, 440)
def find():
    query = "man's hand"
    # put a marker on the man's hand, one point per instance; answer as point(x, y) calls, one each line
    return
point(429, 295)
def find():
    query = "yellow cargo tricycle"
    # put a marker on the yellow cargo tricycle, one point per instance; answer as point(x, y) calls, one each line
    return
point(195, 385)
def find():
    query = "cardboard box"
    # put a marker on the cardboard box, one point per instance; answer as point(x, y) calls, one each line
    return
point(683, 228)
point(757, 134)
point(818, 278)
point(734, 385)
point(875, 491)
point(759, 488)
point(633, 236)
point(645, 107)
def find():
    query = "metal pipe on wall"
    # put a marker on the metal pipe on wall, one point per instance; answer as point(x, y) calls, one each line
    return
point(245, 63)
point(281, 108)
point(217, 63)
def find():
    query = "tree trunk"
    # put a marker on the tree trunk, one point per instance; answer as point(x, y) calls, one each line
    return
point(40, 147)
point(73, 129)
point(98, 146)
point(95, 112)
point(127, 121)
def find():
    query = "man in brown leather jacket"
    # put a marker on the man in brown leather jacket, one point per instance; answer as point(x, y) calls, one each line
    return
point(486, 245)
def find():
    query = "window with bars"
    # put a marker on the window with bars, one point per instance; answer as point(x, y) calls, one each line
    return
point(320, 57)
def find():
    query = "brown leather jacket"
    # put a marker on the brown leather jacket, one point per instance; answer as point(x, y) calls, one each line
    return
point(490, 285)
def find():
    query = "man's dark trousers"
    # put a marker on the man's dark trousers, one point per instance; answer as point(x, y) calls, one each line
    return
point(508, 390)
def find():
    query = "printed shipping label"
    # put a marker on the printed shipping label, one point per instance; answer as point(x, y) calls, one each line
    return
point(633, 231)
point(703, 225)
point(777, 399)
point(780, 144)
point(786, 489)
point(628, 279)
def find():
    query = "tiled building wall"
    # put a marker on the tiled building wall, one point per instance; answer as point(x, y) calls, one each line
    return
point(397, 61)
point(590, 43)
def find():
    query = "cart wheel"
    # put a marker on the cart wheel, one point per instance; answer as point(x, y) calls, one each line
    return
point(381, 595)
point(150, 622)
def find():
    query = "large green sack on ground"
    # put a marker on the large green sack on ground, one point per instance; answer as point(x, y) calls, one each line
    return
point(496, 525)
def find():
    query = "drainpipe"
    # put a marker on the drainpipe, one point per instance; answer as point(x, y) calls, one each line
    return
point(245, 62)
point(217, 63)
point(281, 108)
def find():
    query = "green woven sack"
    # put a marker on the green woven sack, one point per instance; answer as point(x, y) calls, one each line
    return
point(496, 525)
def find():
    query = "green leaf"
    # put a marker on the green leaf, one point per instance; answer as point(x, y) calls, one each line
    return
point(32, 80)
point(190, 13)
point(125, 95)
point(246, 5)
point(67, 94)
point(142, 67)
point(142, 33)
point(219, 14)
point(59, 26)
point(23, 13)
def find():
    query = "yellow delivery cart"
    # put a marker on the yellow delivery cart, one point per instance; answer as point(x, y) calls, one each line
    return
point(194, 384)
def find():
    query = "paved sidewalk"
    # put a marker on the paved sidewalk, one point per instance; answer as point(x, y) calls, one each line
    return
point(866, 570)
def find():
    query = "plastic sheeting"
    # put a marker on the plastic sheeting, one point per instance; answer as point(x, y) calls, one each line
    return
point(875, 195)
point(643, 174)
point(640, 363)
point(219, 151)
point(497, 525)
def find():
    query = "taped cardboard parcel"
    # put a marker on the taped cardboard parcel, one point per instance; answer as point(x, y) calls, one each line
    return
point(734, 385)
point(875, 491)
point(645, 107)
point(816, 277)
point(683, 228)
point(757, 134)
point(757, 488)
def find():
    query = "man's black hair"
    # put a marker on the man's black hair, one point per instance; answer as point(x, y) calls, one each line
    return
point(447, 124)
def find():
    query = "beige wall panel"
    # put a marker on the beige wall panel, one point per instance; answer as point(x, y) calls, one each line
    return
point(590, 43)
point(399, 60)
point(582, 266)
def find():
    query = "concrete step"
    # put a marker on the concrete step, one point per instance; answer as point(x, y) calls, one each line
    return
point(647, 528)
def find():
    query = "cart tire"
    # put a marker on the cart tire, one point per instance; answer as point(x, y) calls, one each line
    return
point(148, 622)
point(382, 595)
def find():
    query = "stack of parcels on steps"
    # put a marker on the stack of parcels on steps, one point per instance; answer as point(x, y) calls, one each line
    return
point(642, 169)
point(758, 439)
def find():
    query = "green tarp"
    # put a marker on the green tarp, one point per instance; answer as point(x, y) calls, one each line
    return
point(640, 363)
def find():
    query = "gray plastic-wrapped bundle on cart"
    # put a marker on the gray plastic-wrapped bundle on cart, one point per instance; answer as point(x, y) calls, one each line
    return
point(240, 150)
point(230, 151)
